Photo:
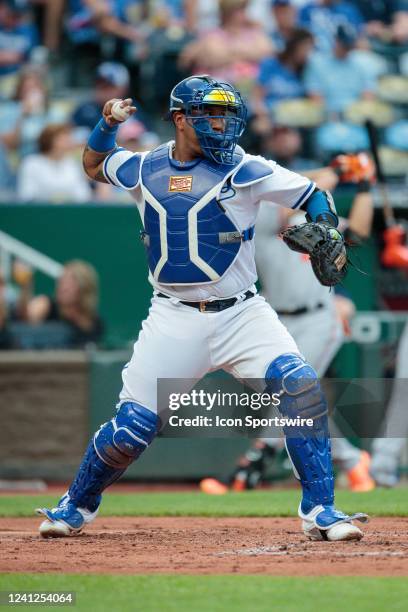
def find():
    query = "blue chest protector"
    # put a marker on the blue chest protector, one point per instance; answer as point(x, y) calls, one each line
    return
point(188, 236)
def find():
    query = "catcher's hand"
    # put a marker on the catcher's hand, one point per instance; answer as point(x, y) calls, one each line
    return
point(324, 245)
point(107, 110)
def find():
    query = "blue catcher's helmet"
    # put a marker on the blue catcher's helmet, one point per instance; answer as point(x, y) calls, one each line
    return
point(193, 96)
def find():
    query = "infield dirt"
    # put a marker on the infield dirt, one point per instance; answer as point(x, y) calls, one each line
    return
point(191, 545)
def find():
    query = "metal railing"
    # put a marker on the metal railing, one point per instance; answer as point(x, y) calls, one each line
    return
point(11, 247)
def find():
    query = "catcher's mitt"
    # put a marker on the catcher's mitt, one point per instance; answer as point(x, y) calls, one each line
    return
point(324, 245)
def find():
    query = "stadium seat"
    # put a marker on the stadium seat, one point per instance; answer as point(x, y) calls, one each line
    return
point(301, 113)
point(393, 88)
point(338, 137)
point(380, 113)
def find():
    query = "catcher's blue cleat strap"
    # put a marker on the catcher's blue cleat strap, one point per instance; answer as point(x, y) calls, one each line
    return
point(68, 515)
point(327, 519)
point(325, 516)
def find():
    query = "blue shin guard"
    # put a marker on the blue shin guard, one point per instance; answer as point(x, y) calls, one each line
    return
point(114, 447)
point(308, 447)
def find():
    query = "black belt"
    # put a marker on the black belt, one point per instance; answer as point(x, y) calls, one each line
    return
point(299, 311)
point(215, 305)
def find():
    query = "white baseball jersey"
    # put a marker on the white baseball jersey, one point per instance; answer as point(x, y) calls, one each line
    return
point(241, 204)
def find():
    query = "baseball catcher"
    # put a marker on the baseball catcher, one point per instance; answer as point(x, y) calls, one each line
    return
point(198, 197)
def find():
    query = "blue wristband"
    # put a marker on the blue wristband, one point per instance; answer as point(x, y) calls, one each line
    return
point(103, 137)
point(320, 207)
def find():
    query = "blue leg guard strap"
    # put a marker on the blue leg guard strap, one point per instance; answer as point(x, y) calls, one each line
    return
point(114, 447)
point(308, 447)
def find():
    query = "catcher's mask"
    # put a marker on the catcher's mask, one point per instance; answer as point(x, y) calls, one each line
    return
point(195, 96)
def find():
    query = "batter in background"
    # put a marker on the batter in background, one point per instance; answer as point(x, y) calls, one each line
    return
point(316, 317)
point(387, 450)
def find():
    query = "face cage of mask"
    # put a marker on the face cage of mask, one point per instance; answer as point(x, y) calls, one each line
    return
point(218, 147)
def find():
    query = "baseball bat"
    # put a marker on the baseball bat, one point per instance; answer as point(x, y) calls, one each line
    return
point(388, 211)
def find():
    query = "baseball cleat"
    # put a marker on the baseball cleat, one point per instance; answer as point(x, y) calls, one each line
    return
point(212, 486)
point(327, 523)
point(359, 479)
point(64, 520)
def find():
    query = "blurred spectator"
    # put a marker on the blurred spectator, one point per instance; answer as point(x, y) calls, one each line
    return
point(399, 27)
point(13, 300)
point(133, 13)
point(260, 12)
point(195, 16)
point(5, 337)
point(280, 78)
point(75, 303)
point(53, 174)
point(50, 13)
point(386, 20)
point(201, 15)
point(231, 52)
point(88, 20)
point(284, 145)
point(285, 17)
point(112, 81)
point(7, 179)
point(322, 18)
point(18, 36)
point(169, 13)
point(337, 78)
point(134, 136)
point(99, 29)
point(28, 113)
point(80, 23)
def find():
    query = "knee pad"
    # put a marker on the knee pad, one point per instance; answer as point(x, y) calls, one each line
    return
point(120, 441)
point(297, 384)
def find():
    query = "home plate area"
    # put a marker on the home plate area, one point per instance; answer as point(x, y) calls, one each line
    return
point(203, 545)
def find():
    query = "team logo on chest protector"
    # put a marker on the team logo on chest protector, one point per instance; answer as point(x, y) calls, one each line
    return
point(187, 234)
point(181, 183)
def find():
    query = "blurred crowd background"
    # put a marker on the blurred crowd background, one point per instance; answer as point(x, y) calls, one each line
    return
point(311, 72)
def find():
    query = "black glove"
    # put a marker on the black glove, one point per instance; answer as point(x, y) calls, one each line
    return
point(325, 246)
